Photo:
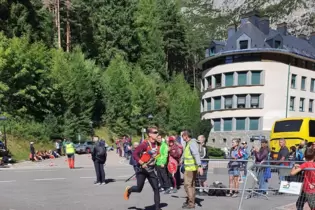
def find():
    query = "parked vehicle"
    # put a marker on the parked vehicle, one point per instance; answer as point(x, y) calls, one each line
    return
point(85, 148)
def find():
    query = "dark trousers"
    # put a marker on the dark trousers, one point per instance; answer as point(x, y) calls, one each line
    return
point(100, 173)
point(177, 177)
point(153, 180)
point(163, 177)
point(301, 201)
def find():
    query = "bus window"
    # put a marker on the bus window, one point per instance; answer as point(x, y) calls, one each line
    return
point(311, 127)
point(288, 126)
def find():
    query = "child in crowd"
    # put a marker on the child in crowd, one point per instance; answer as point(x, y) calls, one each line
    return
point(308, 191)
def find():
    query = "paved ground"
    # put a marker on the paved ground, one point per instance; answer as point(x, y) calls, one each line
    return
point(32, 186)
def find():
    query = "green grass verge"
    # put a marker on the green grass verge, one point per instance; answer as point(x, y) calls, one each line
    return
point(20, 148)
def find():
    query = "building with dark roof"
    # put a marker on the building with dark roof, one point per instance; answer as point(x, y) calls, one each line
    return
point(255, 77)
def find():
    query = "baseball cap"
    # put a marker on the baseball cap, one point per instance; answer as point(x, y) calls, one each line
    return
point(264, 141)
point(171, 138)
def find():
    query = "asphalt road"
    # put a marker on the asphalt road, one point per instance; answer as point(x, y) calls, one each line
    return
point(58, 188)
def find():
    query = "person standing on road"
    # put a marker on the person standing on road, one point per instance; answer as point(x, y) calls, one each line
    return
point(145, 155)
point(203, 151)
point(32, 151)
point(70, 151)
point(192, 165)
point(161, 166)
point(99, 156)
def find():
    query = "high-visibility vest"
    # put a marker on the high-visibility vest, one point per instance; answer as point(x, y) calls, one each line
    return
point(189, 160)
point(70, 148)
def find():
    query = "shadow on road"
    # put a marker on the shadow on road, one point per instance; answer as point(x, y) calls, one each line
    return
point(197, 200)
point(162, 205)
point(107, 181)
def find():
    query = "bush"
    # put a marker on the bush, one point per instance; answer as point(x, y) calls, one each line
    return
point(215, 152)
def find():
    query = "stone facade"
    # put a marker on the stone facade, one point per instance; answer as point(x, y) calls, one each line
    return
point(224, 139)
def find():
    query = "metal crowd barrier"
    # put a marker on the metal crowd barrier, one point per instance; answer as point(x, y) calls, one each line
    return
point(280, 184)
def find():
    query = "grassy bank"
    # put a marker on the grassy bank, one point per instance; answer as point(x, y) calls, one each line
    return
point(20, 148)
point(105, 134)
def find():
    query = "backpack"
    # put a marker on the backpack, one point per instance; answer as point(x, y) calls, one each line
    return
point(217, 192)
point(100, 151)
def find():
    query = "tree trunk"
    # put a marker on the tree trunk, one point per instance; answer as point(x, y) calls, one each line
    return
point(68, 26)
point(58, 22)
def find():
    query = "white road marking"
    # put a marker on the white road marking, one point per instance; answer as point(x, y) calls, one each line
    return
point(33, 171)
point(285, 206)
point(87, 177)
point(49, 179)
point(123, 176)
point(8, 181)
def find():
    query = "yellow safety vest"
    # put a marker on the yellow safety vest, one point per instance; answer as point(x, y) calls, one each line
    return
point(189, 160)
point(70, 148)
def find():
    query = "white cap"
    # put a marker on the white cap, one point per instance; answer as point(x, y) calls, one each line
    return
point(31, 142)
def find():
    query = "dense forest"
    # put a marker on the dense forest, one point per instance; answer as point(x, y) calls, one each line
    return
point(67, 63)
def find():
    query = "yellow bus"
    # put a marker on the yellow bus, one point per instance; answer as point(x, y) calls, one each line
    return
point(293, 130)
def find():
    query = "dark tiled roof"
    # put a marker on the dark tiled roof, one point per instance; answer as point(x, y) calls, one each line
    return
point(291, 44)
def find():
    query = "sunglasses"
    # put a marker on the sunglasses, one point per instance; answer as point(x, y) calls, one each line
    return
point(155, 132)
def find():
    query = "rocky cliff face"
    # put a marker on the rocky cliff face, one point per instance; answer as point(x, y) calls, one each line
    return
point(217, 14)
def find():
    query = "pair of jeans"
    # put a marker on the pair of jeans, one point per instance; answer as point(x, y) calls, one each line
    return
point(142, 175)
point(163, 177)
point(177, 177)
point(100, 173)
point(263, 183)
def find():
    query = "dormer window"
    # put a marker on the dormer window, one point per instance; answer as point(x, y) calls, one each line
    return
point(243, 44)
point(212, 51)
point(277, 44)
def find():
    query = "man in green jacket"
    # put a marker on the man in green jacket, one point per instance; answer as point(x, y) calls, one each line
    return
point(161, 166)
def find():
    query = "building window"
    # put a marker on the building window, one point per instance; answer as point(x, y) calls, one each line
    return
point(303, 64)
point(310, 105)
point(212, 51)
point(240, 124)
point(227, 124)
point(254, 101)
point(217, 81)
point(228, 103)
point(277, 44)
point(254, 123)
point(292, 99)
point(312, 85)
point(242, 78)
point(241, 101)
point(256, 77)
point(303, 81)
point(217, 103)
point(209, 83)
point(313, 66)
point(229, 80)
point(301, 108)
point(244, 44)
point(208, 104)
point(228, 59)
point(216, 125)
point(293, 80)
